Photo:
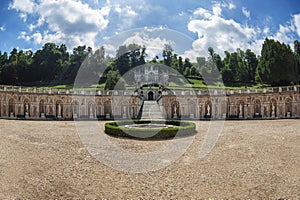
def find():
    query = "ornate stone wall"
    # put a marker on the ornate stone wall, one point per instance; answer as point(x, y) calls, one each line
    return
point(34, 103)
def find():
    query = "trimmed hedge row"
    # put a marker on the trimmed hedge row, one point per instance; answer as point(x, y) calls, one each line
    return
point(179, 128)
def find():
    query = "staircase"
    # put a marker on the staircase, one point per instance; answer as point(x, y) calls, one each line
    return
point(151, 110)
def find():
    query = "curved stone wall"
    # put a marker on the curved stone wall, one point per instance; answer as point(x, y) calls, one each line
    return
point(32, 103)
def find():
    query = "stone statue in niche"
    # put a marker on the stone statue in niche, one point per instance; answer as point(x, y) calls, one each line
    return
point(208, 110)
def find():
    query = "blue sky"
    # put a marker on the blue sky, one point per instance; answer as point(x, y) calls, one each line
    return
point(223, 25)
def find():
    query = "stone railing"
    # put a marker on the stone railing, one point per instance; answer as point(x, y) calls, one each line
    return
point(35, 90)
point(187, 92)
point(215, 92)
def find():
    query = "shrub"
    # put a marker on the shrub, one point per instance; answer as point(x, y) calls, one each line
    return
point(179, 128)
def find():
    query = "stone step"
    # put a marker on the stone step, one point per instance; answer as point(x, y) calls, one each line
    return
point(151, 110)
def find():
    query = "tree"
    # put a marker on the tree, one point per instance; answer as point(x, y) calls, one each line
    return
point(251, 65)
point(76, 59)
point(277, 64)
point(180, 65)
point(193, 71)
point(187, 63)
point(48, 63)
point(25, 59)
point(217, 64)
point(111, 79)
point(241, 71)
point(9, 69)
point(187, 71)
point(226, 72)
point(129, 57)
point(167, 55)
point(297, 56)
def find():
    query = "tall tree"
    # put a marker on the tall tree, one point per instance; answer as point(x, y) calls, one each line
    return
point(112, 79)
point(167, 55)
point(180, 65)
point(227, 74)
point(297, 56)
point(129, 57)
point(277, 64)
point(78, 56)
point(251, 65)
point(25, 59)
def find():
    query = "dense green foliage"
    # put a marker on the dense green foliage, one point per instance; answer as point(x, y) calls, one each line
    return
point(179, 128)
point(53, 64)
point(277, 64)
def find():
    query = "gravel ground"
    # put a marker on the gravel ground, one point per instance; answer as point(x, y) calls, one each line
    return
point(251, 160)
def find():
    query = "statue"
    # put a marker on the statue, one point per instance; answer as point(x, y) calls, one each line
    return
point(26, 108)
point(208, 110)
point(175, 111)
point(273, 110)
point(91, 112)
point(241, 110)
point(59, 111)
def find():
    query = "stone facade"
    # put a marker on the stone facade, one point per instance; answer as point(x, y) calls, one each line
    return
point(32, 103)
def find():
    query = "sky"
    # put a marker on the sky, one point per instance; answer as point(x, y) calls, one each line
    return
point(190, 26)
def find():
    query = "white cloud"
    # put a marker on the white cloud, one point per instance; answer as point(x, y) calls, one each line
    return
point(126, 11)
point(231, 6)
point(297, 23)
point(246, 12)
point(154, 39)
point(38, 38)
point(26, 6)
point(220, 33)
point(71, 16)
point(217, 10)
point(126, 14)
point(67, 21)
point(24, 36)
point(154, 45)
point(23, 16)
point(283, 34)
point(31, 27)
point(202, 13)
point(2, 28)
point(266, 30)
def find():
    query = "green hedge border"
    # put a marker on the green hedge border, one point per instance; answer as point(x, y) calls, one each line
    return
point(180, 128)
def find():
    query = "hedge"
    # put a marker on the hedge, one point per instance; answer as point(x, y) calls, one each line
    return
point(179, 128)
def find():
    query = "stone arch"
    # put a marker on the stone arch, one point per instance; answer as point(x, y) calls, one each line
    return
point(107, 108)
point(59, 108)
point(224, 109)
point(123, 106)
point(175, 109)
point(273, 108)
point(257, 108)
point(241, 109)
point(99, 108)
point(192, 109)
point(92, 110)
point(11, 108)
point(150, 95)
point(42, 107)
point(75, 109)
point(208, 109)
point(288, 107)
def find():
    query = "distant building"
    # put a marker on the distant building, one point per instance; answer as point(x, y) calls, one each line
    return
point(149, 75)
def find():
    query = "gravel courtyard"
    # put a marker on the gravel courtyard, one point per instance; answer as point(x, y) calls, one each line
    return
point(251, 159)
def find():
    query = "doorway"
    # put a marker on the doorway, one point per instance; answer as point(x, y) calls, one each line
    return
point(150, 96)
